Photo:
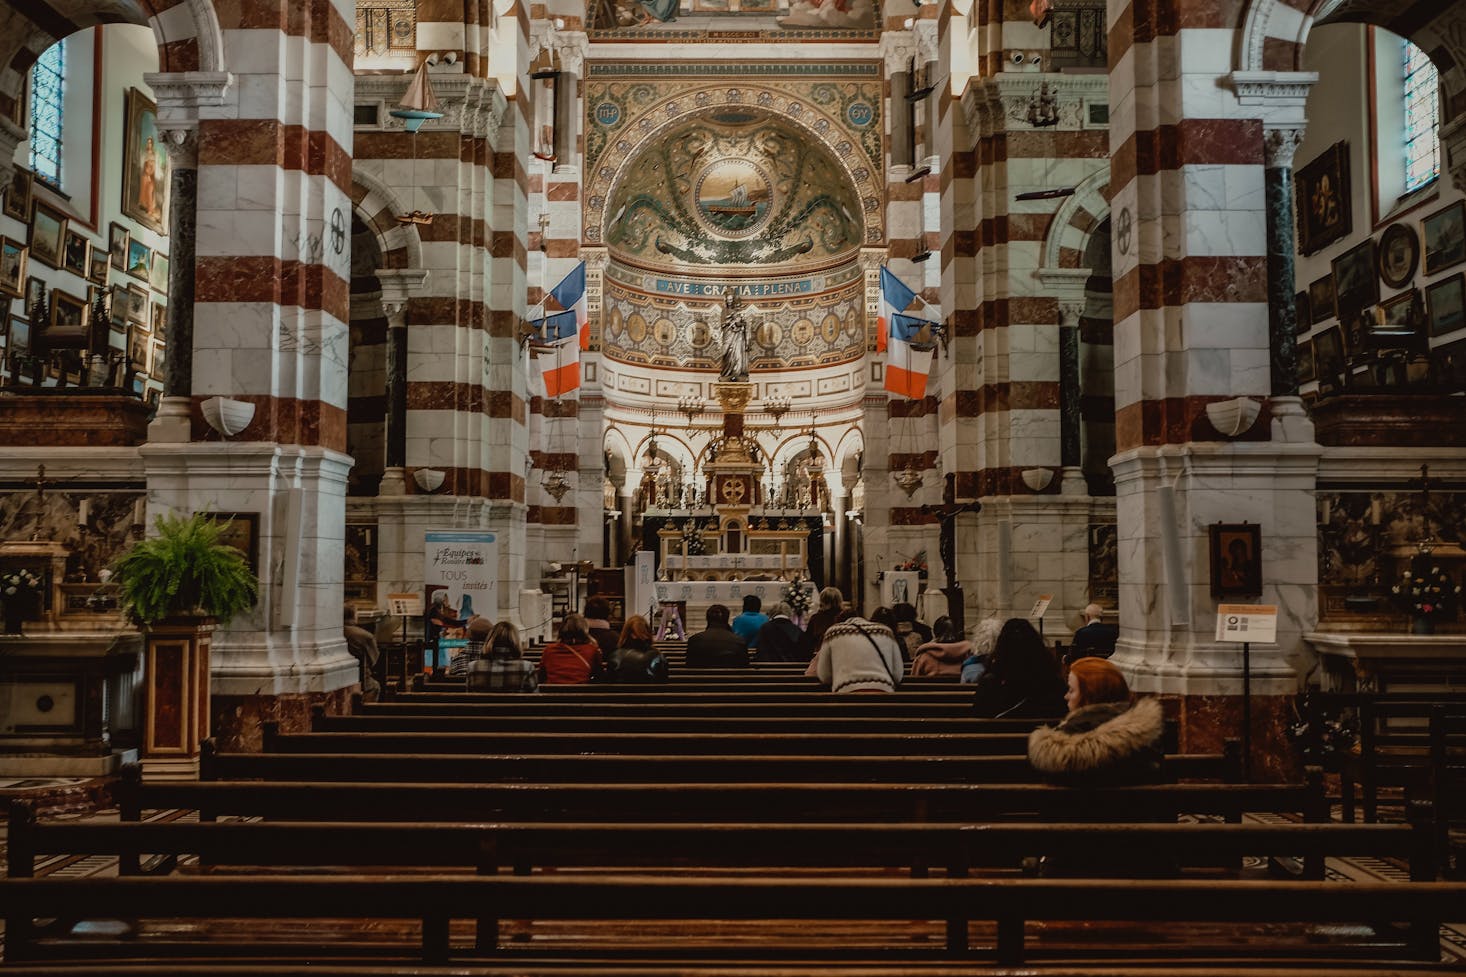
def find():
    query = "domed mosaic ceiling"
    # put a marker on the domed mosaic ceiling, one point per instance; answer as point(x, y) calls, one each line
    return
point(734, 186)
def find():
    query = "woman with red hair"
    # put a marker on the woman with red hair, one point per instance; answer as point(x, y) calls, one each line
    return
point(1105, 739)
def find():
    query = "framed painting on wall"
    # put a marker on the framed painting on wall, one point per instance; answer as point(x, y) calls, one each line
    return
point(1448, 364)
point(76, 254)
point(48, 232)
point(159, 275)
point(1328, 355)
point(1444, 302)
point(242, 532)
point(1304, 367)
point(1321, 299)
point(12, 267)
point(1445, 237)
point(146, 170)
point(139, 260)
point(1355, 284)
point(35, 294)
point(99, 267)
point(1394, 326)
point(68, 326)
point(137, 305)
point(1303, 316)
point(1236, 560)
point(18, 195)
point(1322, 196)
point(1399, 253)
point(118, 240)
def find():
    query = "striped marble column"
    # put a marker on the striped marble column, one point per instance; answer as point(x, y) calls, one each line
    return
point(1191, 333)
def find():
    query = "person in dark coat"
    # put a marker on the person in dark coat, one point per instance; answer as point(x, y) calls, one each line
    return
point(1105, 740)
point(636, 660)
point(718, 646)
point(832, 602)
point(778, 641)
point(598, 623)
point(1023, 680)
point(1094, 638)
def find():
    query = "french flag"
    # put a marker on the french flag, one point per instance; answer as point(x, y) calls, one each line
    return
point(904, 338)
point(569, 296)
point(558, 353)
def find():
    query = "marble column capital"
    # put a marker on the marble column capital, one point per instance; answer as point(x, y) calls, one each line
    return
point(896, 49)
point(572, 48)
point(1280, 97)
point(1453, 142)
point(1069, 312)
point(871, 259)
point(399, 286)
point(595, 259)
point(11, 135)
point(1279, 144)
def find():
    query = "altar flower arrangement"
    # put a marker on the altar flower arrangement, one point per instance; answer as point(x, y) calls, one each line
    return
point(917, 562)
point(796, 596)
point(692, 539)
point(19, 583)
point(1426, 591)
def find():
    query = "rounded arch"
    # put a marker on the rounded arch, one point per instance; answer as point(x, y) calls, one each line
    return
point(1075, 221)
point(378, 207)
point(615, 445)
point(188, 34)
point(819, 126)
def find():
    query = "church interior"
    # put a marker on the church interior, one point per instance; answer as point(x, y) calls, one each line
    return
point(996, 308)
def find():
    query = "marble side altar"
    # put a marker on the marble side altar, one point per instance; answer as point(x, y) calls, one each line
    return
point(699, 595)
point(1382, 662)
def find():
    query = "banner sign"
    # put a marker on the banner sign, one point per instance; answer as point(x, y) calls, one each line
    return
point(464, 564)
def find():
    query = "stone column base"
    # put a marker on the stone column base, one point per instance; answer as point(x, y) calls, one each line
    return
point(238, 719)
point(1207, 722)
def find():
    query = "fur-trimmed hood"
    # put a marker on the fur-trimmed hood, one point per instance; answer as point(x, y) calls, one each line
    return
point(1111, 741)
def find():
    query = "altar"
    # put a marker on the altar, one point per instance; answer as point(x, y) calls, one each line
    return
point(1380, 662)
point(699, 595)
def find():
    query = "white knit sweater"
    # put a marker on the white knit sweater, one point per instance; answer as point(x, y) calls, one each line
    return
point(857, 655)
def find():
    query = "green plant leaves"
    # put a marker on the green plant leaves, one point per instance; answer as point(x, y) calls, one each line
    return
point(184, 569)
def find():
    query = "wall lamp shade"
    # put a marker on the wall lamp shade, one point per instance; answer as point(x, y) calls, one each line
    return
point(227, 416)
point(428, 479)
point(1233, 417)
point(1038, 479)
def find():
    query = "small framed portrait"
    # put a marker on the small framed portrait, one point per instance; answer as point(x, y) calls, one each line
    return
point(68, 326)
point(1304, 320)
point(1322, 196)
point(242, 532)
point(99, 268)
point(159, 277)
point(20, 335)
point(158, 320)
point(146, 169)
point(1445, 237)
point(35, 294)
point(139, 260)
point(18, 196)
point(120, 303)
point(1328, 355)
point(12, 267)
point(1443, 305)
point(1321, 299)
point(1236, 560)
point(1394, 321)
point(1304, 367)
point(137, 305)
point(48, 234)
point(1355, 284)
point(119, 238)
point(1399, 253)
point(1448, 365)
point(76, 253)
point(157, 356)
point(137, 350)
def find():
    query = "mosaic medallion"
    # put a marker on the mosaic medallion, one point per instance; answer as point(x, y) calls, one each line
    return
point(701, 334)
point(830, 328)
point(769, 334)
point(635, 327)
point(733, 197)
point(617, 323)
point(665, 332)
point(802, 332)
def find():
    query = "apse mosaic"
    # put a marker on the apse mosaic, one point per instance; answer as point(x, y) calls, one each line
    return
point(786, 169)
point(734, 189)
point(653, 320)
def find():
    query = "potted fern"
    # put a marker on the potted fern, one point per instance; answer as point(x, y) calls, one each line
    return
point(177, 584)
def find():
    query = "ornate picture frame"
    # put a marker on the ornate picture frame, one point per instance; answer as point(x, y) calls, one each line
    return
point(1236, 560)
point(1356, 284)
point(146, 164)
point(1445, 237)
point(1444, 302)
point(1321, 300)
point(1399, 255)
point(13, 255)
point(1323, 201)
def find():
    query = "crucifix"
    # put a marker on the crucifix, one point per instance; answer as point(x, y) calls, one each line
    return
point(947, 514)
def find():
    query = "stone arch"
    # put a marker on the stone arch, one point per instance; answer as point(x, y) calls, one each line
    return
point(1075, 220)
point(379, 209)
point(188, 34)
point(819, 126)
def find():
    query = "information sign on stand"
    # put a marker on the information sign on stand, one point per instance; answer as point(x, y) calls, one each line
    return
point(1243, 624)
point(1040, 608)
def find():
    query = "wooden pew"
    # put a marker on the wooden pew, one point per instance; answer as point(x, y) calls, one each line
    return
point(1447, 772)
point(813, 745)
point(710, 802)
point(1008, 904)
point(821, 704)
point(592, 721)
point(683, 769)
point(662, 968)
point(486, 848)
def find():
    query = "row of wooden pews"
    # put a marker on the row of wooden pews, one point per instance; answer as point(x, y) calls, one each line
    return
point(759, 831)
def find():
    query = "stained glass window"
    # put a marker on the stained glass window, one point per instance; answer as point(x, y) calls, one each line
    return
point(47, 87)
point(1422, 119)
